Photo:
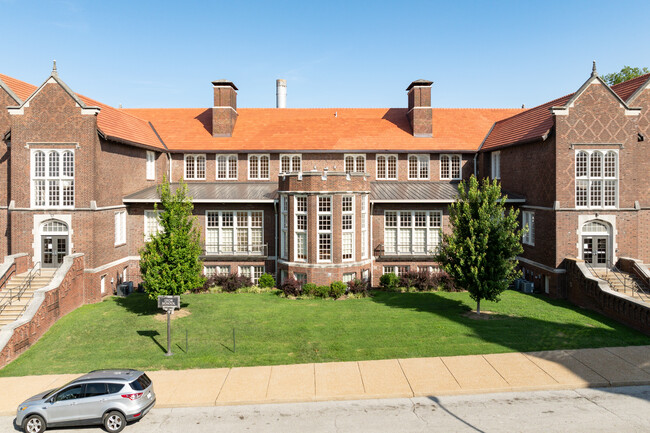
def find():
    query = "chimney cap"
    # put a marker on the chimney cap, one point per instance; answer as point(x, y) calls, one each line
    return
point(224, 83)
point(419, 83)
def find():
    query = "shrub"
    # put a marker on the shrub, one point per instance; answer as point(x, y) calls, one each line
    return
point(266, 281)
point(446, 283)
point(322, 291)
point(358, 287)
point(309, 289)
point(235, 281)
point(389, 281)
point(408, 280)
point(291, 287)
point(337, 289)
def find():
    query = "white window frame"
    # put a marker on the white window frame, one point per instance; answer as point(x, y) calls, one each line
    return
point(284, 226)
point(258, 175)
point(297, 233)
point(364, 227)
point(432, 232)
point(254, 272)
point(320, 232)
point(291, 157)
point(349, 276)
point(588, 181)
point(386, 158)
point(450, 157)
point(151, 165)
point(496, 165)
point(120, 228)
point(231, 162)
point(148, 232)
point(355, 162)
point(348, 232)
point(398, 270)
point(61, 179)
point(195, 159)
point(234, 248)
point(528, 220)
point(423, 162)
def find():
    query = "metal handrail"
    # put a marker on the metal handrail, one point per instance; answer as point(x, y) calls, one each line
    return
point(634, 288)
point(5, 277)
point(27, 284)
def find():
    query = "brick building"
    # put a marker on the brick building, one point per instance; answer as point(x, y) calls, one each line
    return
point(321, 194)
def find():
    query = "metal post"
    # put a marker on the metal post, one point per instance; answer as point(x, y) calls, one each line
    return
point(234, 341)
point(185, 340)
point(169, 333)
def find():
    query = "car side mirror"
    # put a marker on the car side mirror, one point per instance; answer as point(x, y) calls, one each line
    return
point(50, 400)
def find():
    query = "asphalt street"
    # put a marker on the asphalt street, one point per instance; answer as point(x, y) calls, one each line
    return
point(624, 409)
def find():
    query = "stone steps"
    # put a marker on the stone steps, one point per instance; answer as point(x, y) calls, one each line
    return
point(13, 312)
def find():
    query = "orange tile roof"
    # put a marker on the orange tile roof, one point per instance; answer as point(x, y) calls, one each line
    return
point(535, 123)
point(112, 122)
point(332, 129)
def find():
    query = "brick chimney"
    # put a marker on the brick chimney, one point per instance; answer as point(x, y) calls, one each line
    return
point(224, 112)
point(419, 112)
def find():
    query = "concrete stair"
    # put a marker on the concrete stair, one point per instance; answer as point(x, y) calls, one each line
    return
point(625, 283)
point(13, 312)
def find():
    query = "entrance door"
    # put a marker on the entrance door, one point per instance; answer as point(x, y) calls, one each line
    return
point(594, 250)
point(53, 250)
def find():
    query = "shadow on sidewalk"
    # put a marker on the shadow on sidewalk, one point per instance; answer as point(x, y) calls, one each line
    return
point(437, 402)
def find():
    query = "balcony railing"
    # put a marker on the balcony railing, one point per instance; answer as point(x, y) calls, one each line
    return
point(236, 250)
point(406, 250)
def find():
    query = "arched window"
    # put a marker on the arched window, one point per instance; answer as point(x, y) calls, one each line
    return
point(68, 164)
point(418, 166)
point(258, 166)
point(596, 164)
point(227, 167)
point(53, 178)
point(594, 227)
point(53, 164)
point(581, 164)
point(596, 178)
point(450, 167)
point(39, 164)
point(194, 166)
point(387, 167)
point(54, 226)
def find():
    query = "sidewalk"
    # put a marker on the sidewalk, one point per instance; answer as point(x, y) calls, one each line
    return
point(561, 369)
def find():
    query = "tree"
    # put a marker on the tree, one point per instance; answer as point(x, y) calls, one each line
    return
point(627, 73)
point(169, 262)
point(480, 251)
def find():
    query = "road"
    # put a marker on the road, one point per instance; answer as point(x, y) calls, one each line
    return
point(584, 410)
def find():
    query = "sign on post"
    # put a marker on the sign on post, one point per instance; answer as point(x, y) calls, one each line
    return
point(169, 304)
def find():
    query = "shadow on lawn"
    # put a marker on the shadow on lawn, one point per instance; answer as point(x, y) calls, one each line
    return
point(519, 333)
point(140, 304)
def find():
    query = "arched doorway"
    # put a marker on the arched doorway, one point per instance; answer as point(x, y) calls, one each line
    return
point(596, 243)
point(54, 243)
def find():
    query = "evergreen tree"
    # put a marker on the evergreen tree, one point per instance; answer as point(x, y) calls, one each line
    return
point(169, 262)
point(480, 251)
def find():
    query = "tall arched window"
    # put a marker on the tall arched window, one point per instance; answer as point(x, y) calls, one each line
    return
point(227, 167)
point(450, 167)
point(194, 166)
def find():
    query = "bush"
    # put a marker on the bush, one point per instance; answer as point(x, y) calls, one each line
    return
point(389, 281)
point(446, 283)
point(322, 291)
point(309, 289)
point(291, 287)
point(266, 281)
point(233, 282)
point(358, 287)
point(408, 280)
point(337, 289)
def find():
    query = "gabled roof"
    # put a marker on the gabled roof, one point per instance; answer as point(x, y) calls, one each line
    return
point(113, 123)
point(535, 124)
point(322, 129)
point(10, 92)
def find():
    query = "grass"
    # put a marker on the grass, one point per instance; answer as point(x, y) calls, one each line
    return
point(123, 332)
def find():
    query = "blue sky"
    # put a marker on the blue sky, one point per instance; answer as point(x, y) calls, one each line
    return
point(333, 54)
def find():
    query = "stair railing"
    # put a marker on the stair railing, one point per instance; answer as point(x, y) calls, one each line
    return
point(5, 277)
point(18, 292)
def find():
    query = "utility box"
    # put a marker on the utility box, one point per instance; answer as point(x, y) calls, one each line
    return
point(123, 289)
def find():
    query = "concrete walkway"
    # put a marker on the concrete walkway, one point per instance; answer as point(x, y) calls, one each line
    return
point(393, 378)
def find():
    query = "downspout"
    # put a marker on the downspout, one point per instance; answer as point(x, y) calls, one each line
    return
point(275, 211)
point(371, 250)
point(169, 157)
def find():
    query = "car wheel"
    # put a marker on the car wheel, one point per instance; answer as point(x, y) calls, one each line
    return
point(34, 424)
point(114, 422)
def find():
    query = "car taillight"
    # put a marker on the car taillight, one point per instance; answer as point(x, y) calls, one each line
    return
point(132, 396)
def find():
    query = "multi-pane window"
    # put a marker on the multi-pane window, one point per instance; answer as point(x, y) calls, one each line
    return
point(324, 228)
point(252, 272)
point(347, 227)
point(364, 227)
point(227, 167)
point(53, 178)
point(258, 166)
point(397, 270)
point(528, 221)
point(194, 166)
point(290, 163)
point(151, 224)
point(300, 277)
point(211, 270)
point(450, 167)
point(350, 276)
point(300, 221)
point(596, 178)
point(234, 232)
point(355, 163)
point(496, 165)
point(284, 226)
point(120, 227)
point(418, 166)
point(387, 167)
point(412, 232)
point(151, 165)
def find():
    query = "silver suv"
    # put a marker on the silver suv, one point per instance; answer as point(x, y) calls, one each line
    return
point(108, 397)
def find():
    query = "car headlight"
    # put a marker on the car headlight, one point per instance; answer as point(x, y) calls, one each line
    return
point(21, 408)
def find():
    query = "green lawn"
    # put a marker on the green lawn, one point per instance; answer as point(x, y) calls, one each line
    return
point(122, 332)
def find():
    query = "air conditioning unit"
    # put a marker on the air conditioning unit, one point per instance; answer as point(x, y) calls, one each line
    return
point(527, 286)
